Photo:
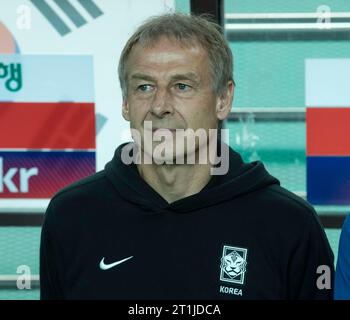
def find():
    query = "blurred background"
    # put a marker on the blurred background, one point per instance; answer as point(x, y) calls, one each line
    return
point(60, 103)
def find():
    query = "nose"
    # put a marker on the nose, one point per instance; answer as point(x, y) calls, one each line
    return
point(162, 103)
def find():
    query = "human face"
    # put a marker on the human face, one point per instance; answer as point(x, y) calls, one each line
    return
point(171, 85)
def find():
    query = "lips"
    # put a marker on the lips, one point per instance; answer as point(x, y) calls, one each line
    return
point(163, 129)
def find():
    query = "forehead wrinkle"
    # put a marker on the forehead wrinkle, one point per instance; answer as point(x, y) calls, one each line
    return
point(163, 61)
point(187, 75)
point(165, 51)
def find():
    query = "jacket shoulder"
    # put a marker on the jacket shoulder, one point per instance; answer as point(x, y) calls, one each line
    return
point(82, 197)
point(81, 187)
point(290, 199)
point(284, 208)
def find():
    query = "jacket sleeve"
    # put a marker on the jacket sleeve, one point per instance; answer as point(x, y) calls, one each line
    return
point(342, 275)
point(311, 267)
point(50, 287)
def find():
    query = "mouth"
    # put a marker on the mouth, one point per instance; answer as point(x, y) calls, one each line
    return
point(164, 130)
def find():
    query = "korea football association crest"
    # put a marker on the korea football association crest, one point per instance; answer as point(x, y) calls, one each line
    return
point(233, 264)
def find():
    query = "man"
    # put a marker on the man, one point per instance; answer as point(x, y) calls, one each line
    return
point(159, 222)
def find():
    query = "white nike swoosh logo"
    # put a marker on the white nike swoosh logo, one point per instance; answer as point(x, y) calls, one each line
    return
point(104, 266)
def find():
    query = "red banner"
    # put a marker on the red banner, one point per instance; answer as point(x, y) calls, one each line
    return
point(59, 125)
point(328, 131)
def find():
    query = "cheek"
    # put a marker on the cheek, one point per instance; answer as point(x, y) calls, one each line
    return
point(204, 115)
point(138, 112)
point(200, 119)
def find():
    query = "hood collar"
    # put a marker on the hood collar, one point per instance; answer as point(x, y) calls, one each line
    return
point(241, 178)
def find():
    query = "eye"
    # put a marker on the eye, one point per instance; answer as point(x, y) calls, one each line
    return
point(144, 88)
point(183, 87)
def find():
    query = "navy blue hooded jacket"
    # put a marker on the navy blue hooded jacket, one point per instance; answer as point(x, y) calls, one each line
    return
point(243, 236)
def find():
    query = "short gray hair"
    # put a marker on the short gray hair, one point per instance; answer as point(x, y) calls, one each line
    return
point(187, 30)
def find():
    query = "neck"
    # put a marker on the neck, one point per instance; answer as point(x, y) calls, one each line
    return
point(175, 181)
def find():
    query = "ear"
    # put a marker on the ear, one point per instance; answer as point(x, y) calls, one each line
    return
point(224, 101)
point(125, 110)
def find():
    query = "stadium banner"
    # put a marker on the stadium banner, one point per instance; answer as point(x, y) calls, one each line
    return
point(46, 78)
point(47, 124)
point(328, 131)
point(59, 91)
point(54, 125)
point(40, 174)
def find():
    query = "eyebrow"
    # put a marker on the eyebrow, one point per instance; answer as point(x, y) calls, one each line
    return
point(179, 76)
point(141, 76)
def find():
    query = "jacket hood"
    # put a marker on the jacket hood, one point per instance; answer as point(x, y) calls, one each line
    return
point(240, 179)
